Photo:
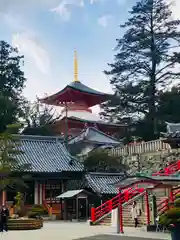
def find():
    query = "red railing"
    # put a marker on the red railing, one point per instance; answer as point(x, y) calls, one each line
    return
point(165, 204)
point(129, 193)
point(105, 208)
point(171, 169)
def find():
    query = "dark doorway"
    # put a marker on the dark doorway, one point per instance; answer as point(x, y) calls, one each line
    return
point(82, 207)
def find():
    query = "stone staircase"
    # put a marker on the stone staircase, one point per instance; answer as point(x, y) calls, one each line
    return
point(127, 219)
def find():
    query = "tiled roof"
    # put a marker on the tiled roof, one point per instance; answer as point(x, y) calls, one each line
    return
point(46, 154)
point(173, 131)
point(173, 127)
point(95, 136)
point(101, 182)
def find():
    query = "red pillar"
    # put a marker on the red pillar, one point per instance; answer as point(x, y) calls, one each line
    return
point(171, 196)
point(147, 208)
point(126, 193)
point(43, 193)
point(120, 212)
point(93, 217)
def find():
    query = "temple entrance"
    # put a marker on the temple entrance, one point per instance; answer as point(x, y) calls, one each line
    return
point(29, 193)
point(75, 204)
point(82, 208)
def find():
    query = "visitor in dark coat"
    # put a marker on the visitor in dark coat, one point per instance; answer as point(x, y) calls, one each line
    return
point(4, 214)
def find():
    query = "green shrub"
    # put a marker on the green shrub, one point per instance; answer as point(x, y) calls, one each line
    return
point(39, 209)
point(178, 196)
point(34, 215)
point(177, 202)
point(170, 217)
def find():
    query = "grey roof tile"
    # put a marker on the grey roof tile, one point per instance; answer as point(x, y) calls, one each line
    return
point(46, 154)
point(101, 182)
point(95, 136)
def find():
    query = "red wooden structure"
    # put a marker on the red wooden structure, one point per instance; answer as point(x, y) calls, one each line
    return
point(151, 183)
point(127, 194)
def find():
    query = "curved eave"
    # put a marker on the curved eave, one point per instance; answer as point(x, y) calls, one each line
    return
point(115, 125)
point(76, 92)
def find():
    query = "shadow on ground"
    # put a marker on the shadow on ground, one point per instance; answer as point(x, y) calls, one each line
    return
point(111, 237)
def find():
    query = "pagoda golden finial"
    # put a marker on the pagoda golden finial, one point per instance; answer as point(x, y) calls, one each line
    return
point(75, 67)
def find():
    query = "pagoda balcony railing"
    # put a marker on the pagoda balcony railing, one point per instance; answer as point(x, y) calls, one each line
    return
point(140, 148)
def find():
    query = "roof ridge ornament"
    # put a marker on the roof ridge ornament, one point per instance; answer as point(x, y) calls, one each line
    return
point(75, 67)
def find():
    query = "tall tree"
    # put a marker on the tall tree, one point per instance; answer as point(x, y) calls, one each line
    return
point(147, 60)
point(12, 82)
point(10, 166)
point(39, 119)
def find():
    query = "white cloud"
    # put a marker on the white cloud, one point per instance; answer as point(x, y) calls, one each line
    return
point(16, 5)
point(28, 45)
point(96, 1)
point(104, 20)
point(65, 6)
point(175, 7)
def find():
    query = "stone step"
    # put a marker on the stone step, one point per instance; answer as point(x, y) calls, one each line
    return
point(161, 195)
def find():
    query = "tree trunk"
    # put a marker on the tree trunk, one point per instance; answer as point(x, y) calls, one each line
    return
point(152, 87)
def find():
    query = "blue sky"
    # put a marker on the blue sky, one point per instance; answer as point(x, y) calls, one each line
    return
point(48, 31)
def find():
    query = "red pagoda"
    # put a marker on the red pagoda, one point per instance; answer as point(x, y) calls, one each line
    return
point(77, 100)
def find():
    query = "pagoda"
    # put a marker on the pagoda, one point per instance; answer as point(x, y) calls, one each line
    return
point(77, 100)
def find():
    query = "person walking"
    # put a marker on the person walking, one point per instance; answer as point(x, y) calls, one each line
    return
point(135, 214)
point(4, 214)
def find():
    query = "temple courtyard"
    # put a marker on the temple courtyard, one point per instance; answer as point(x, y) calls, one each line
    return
point(73, 230)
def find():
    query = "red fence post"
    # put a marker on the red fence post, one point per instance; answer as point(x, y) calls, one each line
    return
point(171, 195)
point(126, 193)
point(147, 208)
point(120, 212)
point(110, 205)
point(93, 216)
point(167, 204)
point(178, 165)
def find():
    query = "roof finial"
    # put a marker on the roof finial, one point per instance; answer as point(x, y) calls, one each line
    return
point(75, 67)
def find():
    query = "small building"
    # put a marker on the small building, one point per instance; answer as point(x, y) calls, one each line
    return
point(51, 168)
point(90, 139)
point(172, 136)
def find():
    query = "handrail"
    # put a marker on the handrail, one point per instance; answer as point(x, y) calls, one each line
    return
point(169, 170)
point(124, 205)
point(127, 194)
point(164, 205)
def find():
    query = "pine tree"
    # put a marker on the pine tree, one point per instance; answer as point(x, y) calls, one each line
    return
point(147, 60)
point(12, 82)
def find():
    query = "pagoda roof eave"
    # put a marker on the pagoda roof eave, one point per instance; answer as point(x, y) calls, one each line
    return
point(67, 95)
point(91, 121)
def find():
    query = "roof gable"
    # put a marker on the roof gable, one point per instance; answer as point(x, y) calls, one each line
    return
point(102, 183)
point(95, 136)
point(46, 154)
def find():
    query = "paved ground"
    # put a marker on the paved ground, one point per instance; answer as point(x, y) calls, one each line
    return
point(70, 230)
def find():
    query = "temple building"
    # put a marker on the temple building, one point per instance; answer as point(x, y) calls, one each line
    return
point(54, 171)
point(172, 136)
point(77, 100)
point(51, 168)
point(90, 139)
